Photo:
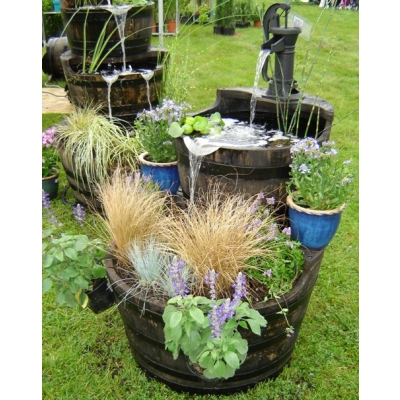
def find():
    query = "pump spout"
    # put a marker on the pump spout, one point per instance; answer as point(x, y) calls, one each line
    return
point(282, 44)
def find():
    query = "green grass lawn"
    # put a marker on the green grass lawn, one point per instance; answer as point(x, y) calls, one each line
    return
point(86, 356)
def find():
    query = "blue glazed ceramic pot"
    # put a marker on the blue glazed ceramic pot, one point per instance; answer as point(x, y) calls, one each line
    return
point(165, 175)
point(314, 229)
point(50, 184)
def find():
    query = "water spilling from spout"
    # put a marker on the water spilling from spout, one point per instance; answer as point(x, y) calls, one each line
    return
point(147, 74)
point(110, 78)
point(262, 57)
point(120, 13)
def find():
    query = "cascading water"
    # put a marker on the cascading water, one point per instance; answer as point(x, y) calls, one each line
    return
point(147, 74)
point(120, 13)
point(262, 57)
point(110, 78)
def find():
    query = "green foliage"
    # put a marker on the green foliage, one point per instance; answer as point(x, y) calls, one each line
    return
point(243, 11)
point(187, 328)
point(204, 14)
point(93, 144)
point(279, 273)
point(152, 130)
point(70, 263)
point(197, 125)
point(319, 180)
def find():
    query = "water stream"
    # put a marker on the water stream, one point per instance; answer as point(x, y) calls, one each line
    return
point(110, 78)
point(120, 13)
point(262, 57)
point(147, 74)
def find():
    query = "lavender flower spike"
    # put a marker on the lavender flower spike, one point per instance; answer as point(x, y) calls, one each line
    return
point(177, 279)
point(240, 289)
point(79, 214)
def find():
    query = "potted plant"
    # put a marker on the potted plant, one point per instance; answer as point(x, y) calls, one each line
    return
point(228, 20)
point(318, 190)
point(257, 13)
point(201, 334)
point(170, 15)
point(91, 146)
point(73, 267)
point(243, 13)
point(218, 15)
point(50, 163)
point(158, 161)
point(204, 14)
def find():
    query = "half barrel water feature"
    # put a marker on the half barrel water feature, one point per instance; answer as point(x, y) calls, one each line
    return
point(263, 167)
point(127, 76)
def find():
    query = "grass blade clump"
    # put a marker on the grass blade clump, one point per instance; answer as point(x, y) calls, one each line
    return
point(133, 211)
point(93, 145)
point(217, 232)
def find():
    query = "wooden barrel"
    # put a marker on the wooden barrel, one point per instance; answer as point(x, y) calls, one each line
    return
point(51, 61)
point(83, 190)
point(84, 27)
point(251, 171)
point(129, 94)
point(267, 354)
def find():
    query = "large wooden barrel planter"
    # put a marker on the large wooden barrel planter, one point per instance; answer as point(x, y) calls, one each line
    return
point(129, 94)
point(137, 32)
point(267, 354)
point(251, 171)
point(83, 190)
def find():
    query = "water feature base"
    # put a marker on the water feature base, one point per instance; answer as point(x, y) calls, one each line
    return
point(128, 95)
point(264, 169)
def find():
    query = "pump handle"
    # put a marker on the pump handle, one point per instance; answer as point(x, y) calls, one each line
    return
point(271, 17)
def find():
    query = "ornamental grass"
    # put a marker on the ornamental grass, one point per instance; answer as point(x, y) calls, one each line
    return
point(217, 232)
point(133, 211)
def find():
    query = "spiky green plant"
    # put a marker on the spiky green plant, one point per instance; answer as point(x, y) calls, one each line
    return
point(92, 145)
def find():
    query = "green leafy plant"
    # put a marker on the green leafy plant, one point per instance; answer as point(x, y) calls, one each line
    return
point(152, 130)
point(207, 330)
point(275, 273)
point(204, 13)
point(318, 179)
point(70, 263)
point(197, 125)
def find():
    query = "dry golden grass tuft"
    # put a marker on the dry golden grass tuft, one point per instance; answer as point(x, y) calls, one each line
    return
point(133, 211)
point(217, 232)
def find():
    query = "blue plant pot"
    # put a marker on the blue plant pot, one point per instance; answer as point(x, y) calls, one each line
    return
point(56, 5)
point(314, 229)
point(50, 184)
point(165, 175)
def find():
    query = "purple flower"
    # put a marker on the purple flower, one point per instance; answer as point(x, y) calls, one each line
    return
point(210, 280)
point(50, 212)
point(240, 288)
point(289, 331)
point(268, 273)
point(304, 169)
point(287, 231)
point(79, 213)
point(271, 201)
point(177, 279)
point(48, 137)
